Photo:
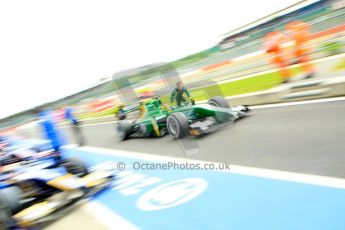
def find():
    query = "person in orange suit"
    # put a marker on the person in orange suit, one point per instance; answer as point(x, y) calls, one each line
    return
point(273, 46)
point(298, 32)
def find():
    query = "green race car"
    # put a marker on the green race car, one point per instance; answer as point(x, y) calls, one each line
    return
point(157, 120)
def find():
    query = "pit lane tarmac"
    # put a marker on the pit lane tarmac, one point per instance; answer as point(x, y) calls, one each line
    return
point(305, 138)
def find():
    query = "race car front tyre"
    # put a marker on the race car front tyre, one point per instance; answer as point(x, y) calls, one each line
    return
point(75, 166)
point(178, 125)
point(219, 102)
point(123, 129)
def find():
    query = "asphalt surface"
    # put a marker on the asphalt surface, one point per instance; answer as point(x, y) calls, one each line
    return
point(306, 138)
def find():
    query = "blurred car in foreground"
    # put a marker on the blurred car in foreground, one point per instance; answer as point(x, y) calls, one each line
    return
point(36, 193)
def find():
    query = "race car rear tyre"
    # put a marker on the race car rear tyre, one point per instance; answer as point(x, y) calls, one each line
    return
point(5, 214)
point(123, 129)
point(121, 115)
point(9, 203)
point(75, 166)
point(219, 102)
point(178, 125)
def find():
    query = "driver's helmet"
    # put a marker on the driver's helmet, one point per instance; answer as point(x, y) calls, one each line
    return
point(157, 103)
point(153, 104)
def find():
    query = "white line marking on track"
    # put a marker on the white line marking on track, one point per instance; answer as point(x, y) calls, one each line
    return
point(323, 100)
point(100, 123)
point(238, 169)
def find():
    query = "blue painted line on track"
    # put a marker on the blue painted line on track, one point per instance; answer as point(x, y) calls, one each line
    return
point(230, 201)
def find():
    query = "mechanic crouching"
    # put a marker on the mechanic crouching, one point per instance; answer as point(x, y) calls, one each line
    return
point(177, 94)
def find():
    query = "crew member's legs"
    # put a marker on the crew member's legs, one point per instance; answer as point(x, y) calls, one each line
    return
point(284, 71)
point(283, 68)
point(307, 66)
point(78, 135)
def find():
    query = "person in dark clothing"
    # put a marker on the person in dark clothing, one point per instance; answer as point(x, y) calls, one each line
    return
point(177, 94)
point(69, 116)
